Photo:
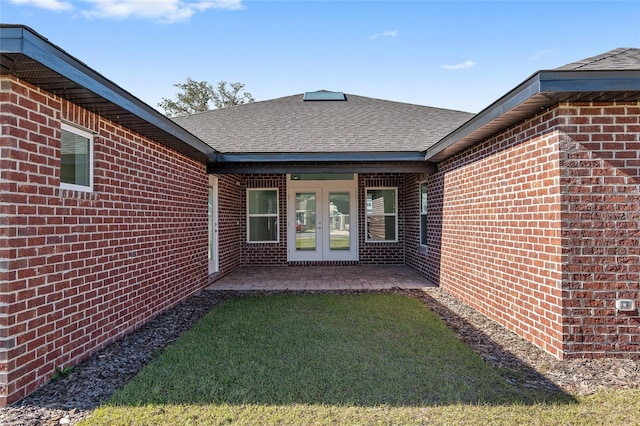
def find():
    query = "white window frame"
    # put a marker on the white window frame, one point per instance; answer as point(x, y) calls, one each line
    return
point(423, 212)
point(89, 136)
point(276, 215)
point(395, 214)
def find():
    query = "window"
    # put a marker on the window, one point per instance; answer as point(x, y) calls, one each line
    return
point(324, 95)
point(262, 215)
point(76, 159)
point(423, 213)
point(382, 214)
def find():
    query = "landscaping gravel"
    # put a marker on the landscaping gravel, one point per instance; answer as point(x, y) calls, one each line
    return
point(71, 399)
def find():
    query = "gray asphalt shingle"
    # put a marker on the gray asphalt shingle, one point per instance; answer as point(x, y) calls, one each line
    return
point(623, 58)
point(360, 124)
point(291, 125)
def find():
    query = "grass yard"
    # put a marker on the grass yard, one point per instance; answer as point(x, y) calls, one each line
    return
point(336, 359)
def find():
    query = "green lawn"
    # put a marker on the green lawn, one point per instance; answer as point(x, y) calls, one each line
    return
point(336, 359)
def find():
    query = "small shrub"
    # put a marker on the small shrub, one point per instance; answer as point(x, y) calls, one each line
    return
point(62, 372)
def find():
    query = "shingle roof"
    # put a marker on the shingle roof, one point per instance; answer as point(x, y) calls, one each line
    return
point(623, 58)
point(291, 125)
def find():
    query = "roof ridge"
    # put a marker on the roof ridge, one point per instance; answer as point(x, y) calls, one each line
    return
point(590, 61)
point(606, 55)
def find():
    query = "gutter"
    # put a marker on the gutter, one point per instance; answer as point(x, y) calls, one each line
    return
point(541, 90)
point(320, 157)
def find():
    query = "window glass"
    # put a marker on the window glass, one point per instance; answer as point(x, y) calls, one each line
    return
point(382, 216)
point(423, 213)
point(262, 211)
point(382, 200)
point(263, 229)
point(263, 201)
point(76, 162)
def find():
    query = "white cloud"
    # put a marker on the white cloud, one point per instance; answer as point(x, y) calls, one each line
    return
point(389, 34)
point(55, 5)
point(165, 10)
point(162, 10)
point(465, 64)
point(539, 54)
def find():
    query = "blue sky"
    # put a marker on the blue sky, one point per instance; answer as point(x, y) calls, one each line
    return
point(454, 54)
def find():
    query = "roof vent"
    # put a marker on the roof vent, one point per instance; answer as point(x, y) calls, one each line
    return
point(324, 95)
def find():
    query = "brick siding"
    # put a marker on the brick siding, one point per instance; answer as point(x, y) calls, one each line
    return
point(230, 201)
point(538, 228)
point(380, 253)
point(80, 270)
point(600, 188)
point(424, 259)
point(494, 230)
point(265, 254)
point(275, 254)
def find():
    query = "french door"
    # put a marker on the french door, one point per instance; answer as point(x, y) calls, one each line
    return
point(322, 222)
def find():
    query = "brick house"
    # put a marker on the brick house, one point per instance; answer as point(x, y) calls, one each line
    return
point(528, 211)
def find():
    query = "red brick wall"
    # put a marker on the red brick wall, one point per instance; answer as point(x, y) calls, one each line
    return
point(424, 259)
point(601, 227)
point(380, 253)
point(539, 228)
point(80, 270)
point(230, 201)
point(494, 227)
point(275, 254)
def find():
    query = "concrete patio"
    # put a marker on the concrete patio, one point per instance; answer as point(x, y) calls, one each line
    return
point(314, 278)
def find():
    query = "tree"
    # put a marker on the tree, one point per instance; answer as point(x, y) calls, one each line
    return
point(197, 96)
point(223, 98)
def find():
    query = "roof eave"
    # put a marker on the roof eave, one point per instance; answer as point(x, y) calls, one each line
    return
point(543, 89)
point(336, 162)
point(71, 79)
point(328, 157)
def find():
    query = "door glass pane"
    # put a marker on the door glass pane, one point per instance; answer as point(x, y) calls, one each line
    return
point(306, 237)
point(339, 221)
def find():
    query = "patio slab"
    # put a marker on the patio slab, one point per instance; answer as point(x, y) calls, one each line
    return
point(315, 278)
